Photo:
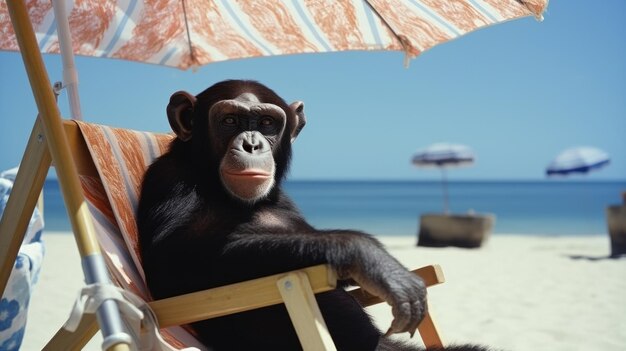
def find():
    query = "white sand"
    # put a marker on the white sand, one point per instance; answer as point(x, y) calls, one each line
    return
point(514, 293)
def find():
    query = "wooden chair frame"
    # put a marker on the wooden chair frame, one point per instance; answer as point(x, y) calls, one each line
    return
point(58, 142)
point(200, 305)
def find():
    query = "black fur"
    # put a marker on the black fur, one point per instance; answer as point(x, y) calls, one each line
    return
point(194, 235)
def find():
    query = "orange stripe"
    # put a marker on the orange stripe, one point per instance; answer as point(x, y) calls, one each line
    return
point(134, 168)
point(95, 194)
point(459, 13)
point(89, 20)
point(164, 141)
point(161, 24)
point(273, 21)
point(416, 32)
point(509, 9)
point(129, 143)
point(216, 30)
point(37, 10)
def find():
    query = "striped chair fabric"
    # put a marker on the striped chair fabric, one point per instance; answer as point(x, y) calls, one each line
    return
point(121, 157)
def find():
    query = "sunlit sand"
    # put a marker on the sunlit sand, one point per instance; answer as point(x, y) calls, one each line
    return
point(514, 293)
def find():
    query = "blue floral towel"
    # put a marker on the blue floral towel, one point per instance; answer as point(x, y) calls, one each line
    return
point(14, 302)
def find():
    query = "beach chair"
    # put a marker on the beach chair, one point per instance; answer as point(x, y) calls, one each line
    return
point(98, 183)
point(110, 163)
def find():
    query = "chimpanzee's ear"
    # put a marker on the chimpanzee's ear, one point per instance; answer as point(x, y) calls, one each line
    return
point(180, 113)
point(298, 109)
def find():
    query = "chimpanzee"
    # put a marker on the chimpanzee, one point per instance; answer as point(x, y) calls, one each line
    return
point(212, 212)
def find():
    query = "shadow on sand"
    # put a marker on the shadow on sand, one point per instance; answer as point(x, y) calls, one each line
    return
point(596, 258)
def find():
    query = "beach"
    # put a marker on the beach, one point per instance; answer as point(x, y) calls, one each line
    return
point(516, 292)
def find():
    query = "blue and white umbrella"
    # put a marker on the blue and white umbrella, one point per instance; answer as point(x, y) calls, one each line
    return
point(442, 156)
point(582, 159)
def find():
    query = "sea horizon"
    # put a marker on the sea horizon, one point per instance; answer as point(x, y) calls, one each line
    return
point(555, 178)
point(392, 207)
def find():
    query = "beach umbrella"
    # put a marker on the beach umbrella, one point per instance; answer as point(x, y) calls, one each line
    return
point(442, 156)
point(582, 160)
point(190, 33)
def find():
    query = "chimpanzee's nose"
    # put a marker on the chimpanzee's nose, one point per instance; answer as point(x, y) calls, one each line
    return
point(253, 143)
point(251, 146)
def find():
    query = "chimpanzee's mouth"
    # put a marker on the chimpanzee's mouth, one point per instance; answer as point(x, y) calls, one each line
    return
point(251, 173)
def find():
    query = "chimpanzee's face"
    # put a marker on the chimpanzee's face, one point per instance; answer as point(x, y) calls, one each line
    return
point(248, 130)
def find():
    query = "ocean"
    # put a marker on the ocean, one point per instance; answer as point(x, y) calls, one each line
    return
point(393, 207)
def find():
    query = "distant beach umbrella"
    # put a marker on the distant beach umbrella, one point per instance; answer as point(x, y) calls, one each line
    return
point(582, 159)
point(442, 156)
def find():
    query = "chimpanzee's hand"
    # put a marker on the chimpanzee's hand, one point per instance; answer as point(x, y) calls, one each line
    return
point(407, 296)
point(382, 275)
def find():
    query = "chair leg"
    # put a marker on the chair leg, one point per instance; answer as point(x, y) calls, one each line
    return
point(304, 312)
point(24, 196)
point(65, 340)
point(428, 332)
point(432, 275)
point(59, 149)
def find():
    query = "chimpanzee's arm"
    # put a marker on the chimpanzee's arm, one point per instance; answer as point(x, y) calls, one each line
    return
point(354, 255)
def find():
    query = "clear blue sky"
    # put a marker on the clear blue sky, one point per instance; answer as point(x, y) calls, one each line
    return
point(517, 93)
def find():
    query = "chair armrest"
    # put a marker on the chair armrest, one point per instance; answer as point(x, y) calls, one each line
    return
point(241, 297)
point(234, 298)
point(432, 275)
point(205, 304)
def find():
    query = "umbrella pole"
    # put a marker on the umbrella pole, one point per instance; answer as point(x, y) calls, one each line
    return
point(444, 186)
point(70, 74)
point(115, 336)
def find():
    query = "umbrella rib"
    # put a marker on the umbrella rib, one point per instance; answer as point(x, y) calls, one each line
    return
point(191, 52)
point(404, 41)
point(537, 15)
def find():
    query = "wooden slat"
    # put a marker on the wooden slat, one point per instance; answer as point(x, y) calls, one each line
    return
point(429, 333)
point(27, 189)
point(65, 340)
point(234, 298)
point(52, 126)
point(304, 312)
point(245, 296)
point(205, 304)
point(58, 147)
point(24, 196)
point(432, 275)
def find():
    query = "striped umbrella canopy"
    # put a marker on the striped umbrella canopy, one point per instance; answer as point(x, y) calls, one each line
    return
point(582, 160)
point(442, 156)
point(190, 33)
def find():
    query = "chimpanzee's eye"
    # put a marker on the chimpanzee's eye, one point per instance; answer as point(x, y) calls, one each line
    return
point(229, 120)
point(267, 121)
